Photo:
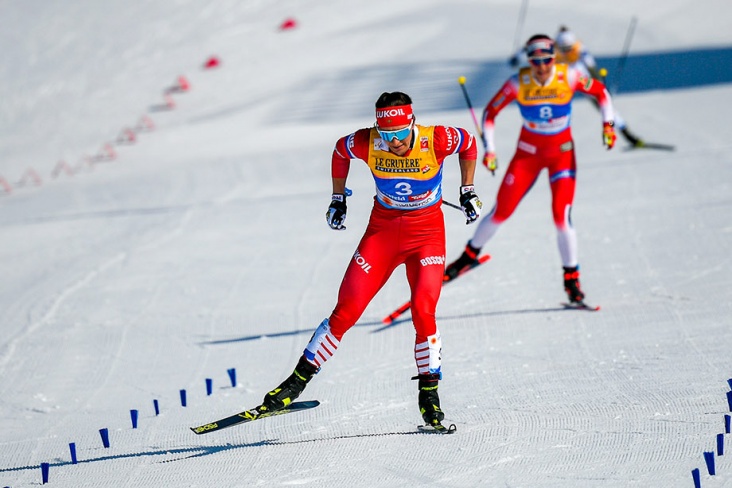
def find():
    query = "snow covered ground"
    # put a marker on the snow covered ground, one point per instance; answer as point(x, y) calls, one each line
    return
point(202, 247)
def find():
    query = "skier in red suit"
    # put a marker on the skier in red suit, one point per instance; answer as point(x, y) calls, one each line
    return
point(543, 92)
point(406, 227)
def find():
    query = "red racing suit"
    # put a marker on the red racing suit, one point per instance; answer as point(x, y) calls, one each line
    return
point(406, 227)
point(545, 141)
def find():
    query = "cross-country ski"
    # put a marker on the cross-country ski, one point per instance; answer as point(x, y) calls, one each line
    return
point(251, 415)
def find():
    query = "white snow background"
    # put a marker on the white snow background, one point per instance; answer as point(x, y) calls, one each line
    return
point(203, 247)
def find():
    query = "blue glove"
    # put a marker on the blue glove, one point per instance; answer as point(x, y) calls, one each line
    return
point(336, 214)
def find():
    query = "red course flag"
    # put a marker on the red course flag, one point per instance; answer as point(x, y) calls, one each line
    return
point(288, 24)
point(212, 62)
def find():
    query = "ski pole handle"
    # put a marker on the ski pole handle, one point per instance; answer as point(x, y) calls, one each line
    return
point(603, 75)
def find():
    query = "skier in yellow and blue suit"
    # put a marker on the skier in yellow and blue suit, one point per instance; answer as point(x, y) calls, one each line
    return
point(406, 227)
point(543, 92)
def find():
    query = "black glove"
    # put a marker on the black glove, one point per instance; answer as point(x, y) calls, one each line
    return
point(470, 203)
point(336, 214)
point(513, 61)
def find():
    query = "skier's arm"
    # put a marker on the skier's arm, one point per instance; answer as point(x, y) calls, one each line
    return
point(503, 97)
point(352, 146)
point(339, 185)
point(347, 148)
point(340, 164)
point(454, 140)
point(596, 89)
point(469, 201)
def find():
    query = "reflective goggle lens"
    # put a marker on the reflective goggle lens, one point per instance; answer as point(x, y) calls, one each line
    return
point(541, 61)
point(399, 135)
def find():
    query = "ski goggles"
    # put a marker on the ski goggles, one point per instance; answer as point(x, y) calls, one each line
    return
point(539, 61)
point(399, 134)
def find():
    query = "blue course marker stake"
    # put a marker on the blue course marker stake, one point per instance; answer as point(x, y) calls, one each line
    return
point(709, 458)
point(133, 417)
point(44, 472)
point(726, 424)
point(157, 407)
point(232, 376)
point(729, 400)
point(183, 401)
point(72, 449)
point(729, 382)
point(105, 436)
point(209, 386)
point(697, 478)
point(720, 444)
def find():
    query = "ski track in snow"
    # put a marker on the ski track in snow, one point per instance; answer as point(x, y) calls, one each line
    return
point(204, 248)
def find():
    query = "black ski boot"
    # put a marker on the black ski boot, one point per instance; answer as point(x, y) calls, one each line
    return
point(572, 285)
point(634, 140)
point(289, 389)
point(429, 400)
point(468, 258)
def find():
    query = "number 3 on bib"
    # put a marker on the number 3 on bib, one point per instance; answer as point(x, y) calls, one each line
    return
point(403, 189)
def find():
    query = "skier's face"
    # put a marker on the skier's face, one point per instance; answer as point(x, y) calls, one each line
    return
point(541, 68)
point(398, 138)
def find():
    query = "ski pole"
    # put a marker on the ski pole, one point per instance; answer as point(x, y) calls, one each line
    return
point(461, 80)
point(452, 205)
point(520, 25)
point(624, 55)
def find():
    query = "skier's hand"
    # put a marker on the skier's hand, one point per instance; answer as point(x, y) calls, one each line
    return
point(490, 162)
point(608, 134)
point(336, 214)
point(470, 203)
